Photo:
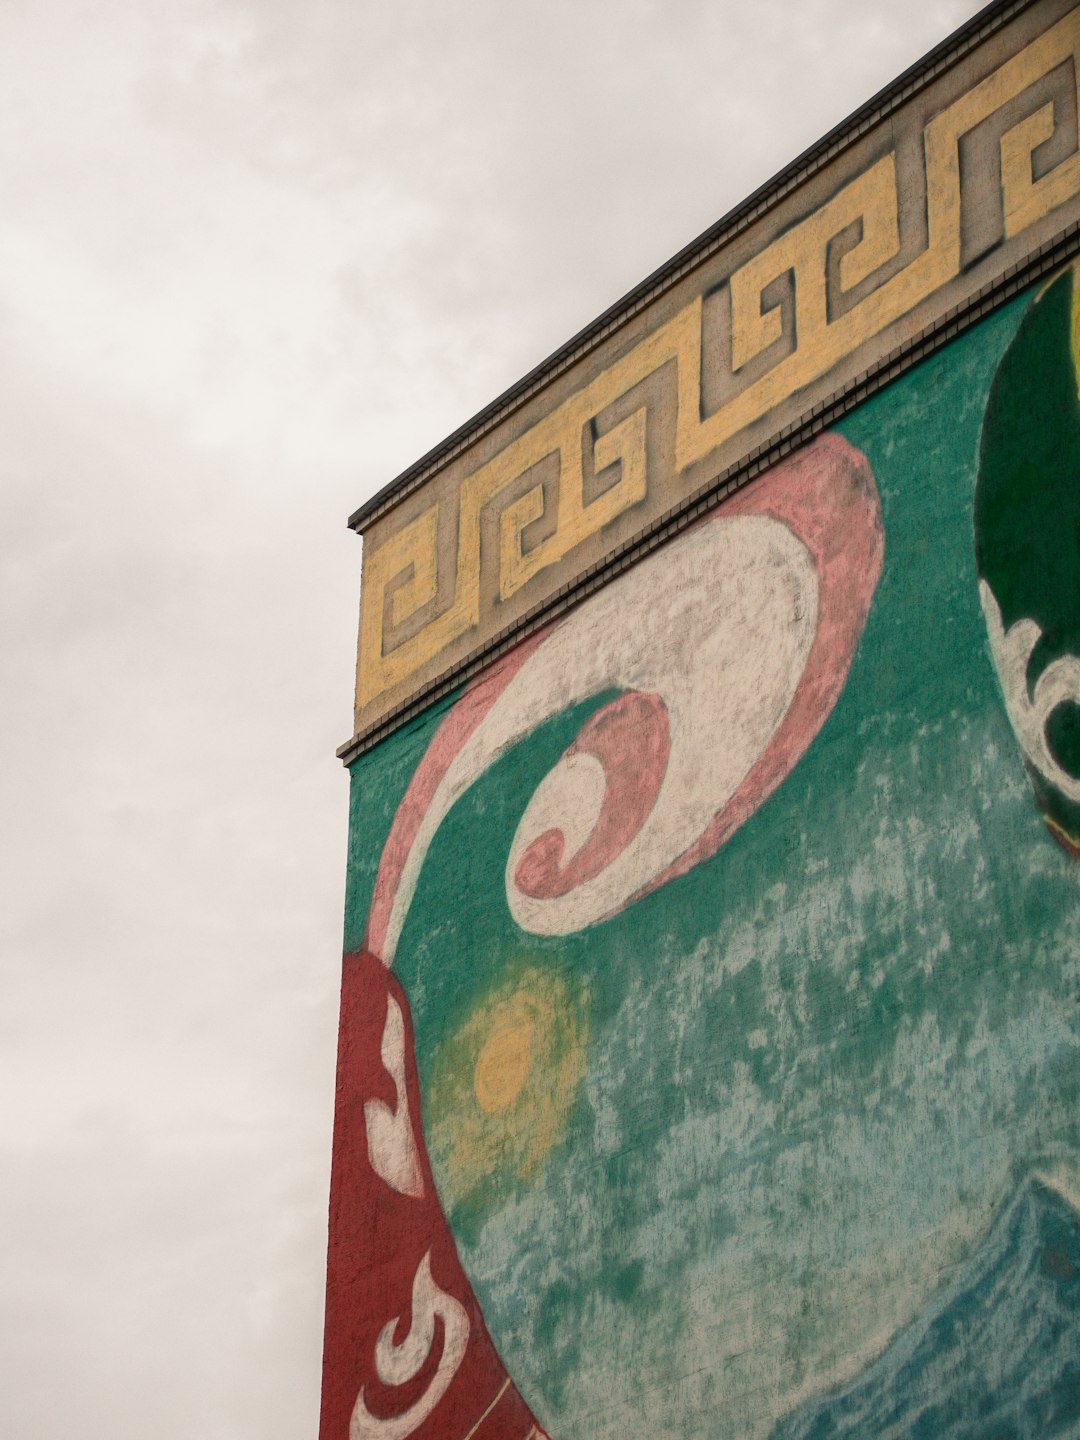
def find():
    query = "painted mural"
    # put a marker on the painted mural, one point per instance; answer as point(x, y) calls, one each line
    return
point(710, 1048)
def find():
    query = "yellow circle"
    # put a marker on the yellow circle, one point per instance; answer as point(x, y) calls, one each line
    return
point(503, 1086)
point(503, 1065)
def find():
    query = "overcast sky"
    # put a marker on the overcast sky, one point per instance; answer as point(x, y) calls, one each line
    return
point(255, 258)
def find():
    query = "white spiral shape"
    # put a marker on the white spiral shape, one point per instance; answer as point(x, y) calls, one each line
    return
point(1059, 683)
point(398, 1364)
point(718, 625)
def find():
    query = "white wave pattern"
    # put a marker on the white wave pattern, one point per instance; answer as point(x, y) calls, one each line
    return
point(398, 1364)
point(1029, 712)
point(392, 1147)
point(719, 626)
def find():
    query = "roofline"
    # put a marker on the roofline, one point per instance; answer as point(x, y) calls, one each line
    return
point(988, 20)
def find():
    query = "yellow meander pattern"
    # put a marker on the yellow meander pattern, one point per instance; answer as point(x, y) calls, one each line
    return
point(401, 575)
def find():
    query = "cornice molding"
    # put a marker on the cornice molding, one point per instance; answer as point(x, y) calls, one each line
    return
point(953, 189)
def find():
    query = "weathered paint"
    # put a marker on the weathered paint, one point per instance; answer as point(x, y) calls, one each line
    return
point(710, 1058)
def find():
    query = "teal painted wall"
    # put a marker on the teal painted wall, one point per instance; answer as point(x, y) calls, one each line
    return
point(791, 1145)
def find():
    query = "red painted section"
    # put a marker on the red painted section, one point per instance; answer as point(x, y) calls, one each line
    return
point(378, 1240)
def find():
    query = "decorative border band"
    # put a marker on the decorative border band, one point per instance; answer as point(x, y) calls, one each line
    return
point(1050, 256)
point(900, 233)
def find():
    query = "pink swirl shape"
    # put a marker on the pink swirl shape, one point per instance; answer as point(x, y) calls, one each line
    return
point(395, 872)
point(630, 739)
point(739, 633)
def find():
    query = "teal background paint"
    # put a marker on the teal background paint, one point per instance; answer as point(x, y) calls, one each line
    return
point(822, 1066)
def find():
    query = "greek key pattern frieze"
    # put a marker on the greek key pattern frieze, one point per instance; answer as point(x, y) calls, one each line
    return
point(933, 203)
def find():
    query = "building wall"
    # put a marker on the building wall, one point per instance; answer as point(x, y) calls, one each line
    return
point(711, 1016)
